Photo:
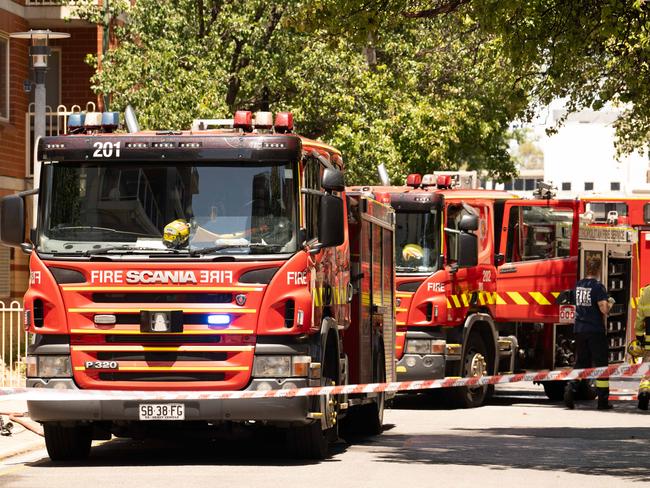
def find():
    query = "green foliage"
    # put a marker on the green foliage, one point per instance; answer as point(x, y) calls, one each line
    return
point(438, 95)
point(590, 52)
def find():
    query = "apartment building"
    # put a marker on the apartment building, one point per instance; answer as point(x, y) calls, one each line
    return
point(68, 85)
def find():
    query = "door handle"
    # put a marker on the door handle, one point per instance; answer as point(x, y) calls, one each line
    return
point(509, 269)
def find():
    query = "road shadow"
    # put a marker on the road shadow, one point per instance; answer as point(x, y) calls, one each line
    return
point(611, 451)
point(264, 449)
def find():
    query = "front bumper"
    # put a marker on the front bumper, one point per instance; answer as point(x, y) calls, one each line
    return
point(414, 367)
point(273, 410)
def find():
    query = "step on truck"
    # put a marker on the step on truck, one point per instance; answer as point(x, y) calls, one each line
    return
point(478, 274)
point(203, 260)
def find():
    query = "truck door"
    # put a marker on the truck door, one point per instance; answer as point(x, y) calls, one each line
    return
point(539, 247)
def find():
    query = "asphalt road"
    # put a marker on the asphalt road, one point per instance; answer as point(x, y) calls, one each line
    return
point(521, 439)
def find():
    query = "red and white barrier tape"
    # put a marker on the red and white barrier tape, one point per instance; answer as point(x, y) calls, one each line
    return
point(51, 394)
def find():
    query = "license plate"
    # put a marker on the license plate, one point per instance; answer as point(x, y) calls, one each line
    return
point(567, 314)
point(161, 411)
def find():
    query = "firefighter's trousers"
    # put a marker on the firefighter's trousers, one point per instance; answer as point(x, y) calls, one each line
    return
point(591, 351)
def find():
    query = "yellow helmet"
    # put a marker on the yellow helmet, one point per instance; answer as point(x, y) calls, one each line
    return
point(412, 251)
point(635, 349)
point(176, 234)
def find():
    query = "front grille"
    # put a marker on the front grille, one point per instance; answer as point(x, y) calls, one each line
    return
point(161, 377)
point(162, 297)
point(188, 318)
point(163, 339)
point(166, 357)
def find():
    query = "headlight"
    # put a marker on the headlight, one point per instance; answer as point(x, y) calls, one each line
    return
point(54, 366)
point(425, 346)
point(281, 366)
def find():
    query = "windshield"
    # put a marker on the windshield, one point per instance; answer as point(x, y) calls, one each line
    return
point(417, 243)
point(227, 208)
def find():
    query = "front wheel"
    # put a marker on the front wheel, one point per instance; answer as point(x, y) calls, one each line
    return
point(67, 443)
point(474, 365)
point(554, 390)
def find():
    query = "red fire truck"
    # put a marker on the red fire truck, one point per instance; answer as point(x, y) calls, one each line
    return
point(227, 259)
point(478, 274)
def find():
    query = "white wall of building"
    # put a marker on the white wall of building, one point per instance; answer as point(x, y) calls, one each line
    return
point(582, 153)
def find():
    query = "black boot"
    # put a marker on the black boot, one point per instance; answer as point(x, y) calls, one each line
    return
point(644, 399)
point(603, 399)
point(569, 396)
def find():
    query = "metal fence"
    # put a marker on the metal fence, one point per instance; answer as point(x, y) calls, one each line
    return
point(13, 345)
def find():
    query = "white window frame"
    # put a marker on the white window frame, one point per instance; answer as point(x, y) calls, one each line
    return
point(8, 75)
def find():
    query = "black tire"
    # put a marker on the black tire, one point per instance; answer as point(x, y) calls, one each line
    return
point(470, 397)
point(554, 390)
point(67, 443)
point(308, 441)
point(367, 420)
point(586, 391)
point(311, 441)
point(643, 400)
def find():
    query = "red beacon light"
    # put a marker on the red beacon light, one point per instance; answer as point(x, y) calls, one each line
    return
point(414, 180)
point(243, 120)
point(283, 122)
point(444, 182)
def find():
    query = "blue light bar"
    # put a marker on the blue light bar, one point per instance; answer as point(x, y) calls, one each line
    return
point(219, 319)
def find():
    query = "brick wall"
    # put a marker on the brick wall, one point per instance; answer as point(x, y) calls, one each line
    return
point(76, 74)
point(12, 133)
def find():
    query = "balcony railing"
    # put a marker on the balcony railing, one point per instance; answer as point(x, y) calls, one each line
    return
point(56, 123)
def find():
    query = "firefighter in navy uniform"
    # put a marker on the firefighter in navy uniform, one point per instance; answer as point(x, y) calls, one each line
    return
point(592, 307)
point(642, 349)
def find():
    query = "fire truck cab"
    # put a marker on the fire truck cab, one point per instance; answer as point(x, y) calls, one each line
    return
point(227, 259)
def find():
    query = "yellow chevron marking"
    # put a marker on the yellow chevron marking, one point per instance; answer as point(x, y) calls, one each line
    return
point(490, 298)
point(498, 300)
point(397, 322)
point(402, 309)
point(154, 309)
point(137, 288)
point(465, 300)
point(517, 298)
point(555, 294)
point(456, 301)
point(403, 294)
point(400, 334)
point(481, 297)
point(185, 332)
point(163, 348)
point(177, 369)
point(448, 303)
point(539, 298)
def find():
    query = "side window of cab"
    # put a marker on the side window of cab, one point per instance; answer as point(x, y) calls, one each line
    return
point(311, 197)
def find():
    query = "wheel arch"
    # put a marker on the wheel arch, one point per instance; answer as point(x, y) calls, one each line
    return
point(482, 324)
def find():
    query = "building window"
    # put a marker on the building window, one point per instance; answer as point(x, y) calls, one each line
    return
point(566, 186)
point(4, 78)
point(615, 186)
point(589, 185)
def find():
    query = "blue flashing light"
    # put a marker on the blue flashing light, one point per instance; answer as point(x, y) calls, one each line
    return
point(219, 319)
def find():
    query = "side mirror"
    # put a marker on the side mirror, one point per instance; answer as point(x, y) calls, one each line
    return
point(333, 180)
point(330, 222)
point(499, 259)
point(467, 250)
point(12, 220)
point(468, 223)
point(565, 298)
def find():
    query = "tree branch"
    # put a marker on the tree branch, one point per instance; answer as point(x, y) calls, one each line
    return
point(443, 8)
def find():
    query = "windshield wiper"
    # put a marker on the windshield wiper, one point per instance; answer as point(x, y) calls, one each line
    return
point(208, 250)
point(412, 269)
point(92, 228)
point(125, 247)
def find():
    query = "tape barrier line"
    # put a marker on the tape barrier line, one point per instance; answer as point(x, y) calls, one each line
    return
point(47, 394)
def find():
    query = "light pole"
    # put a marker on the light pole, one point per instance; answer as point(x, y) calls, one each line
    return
point(39, 51)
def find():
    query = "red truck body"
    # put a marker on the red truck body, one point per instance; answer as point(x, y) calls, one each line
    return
point(260, 297)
